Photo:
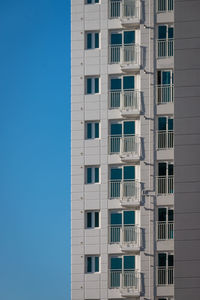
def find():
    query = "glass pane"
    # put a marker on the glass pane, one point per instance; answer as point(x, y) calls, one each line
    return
point(116, 38)
point(170, 260)
point(96, 174)
point(129, 262)
point(116, 263)
point(170, 32)
point(116, 218)
point(96, 40)
point(162, 214)
point(128, 82)
point(96, 264)
point(129, 127)
point(129, 217)
point(162, 123)
point(96, 130)
point(170, 215)
point(116, 129)
point(170, 124)
point(166, 77)
point(115, 84)
point(96, 1)
point(96, 85)
point(170, 169)
point(162, 259)
point(129, 37)
point(159, 77)
point(96, 219)
point(89, 1)
point(162, 168)
point(89, 264)
point(89, 175)
point(89, 220)
point(89, 130)
point(129, 173)
point(162, 32)
point(116, 174)
point(89, 41)
point(89, 85)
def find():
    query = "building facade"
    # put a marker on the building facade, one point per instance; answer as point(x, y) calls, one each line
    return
point(122, 190)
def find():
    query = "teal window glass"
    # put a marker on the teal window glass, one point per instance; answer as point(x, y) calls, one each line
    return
point(89, 264)
point(96, 85)
point(129, 37)
point(162, 32)
point(89, 40)
point(129, 173)
point(170, 32)
point(115, 84)
point(89, 85)
point(89, 175)
point(162, 123)
point(96, 130)
point(129, 262)
point(96, 264)
point(162, 214)
point(116, 174)
point(116, 219)
point(96, 40)
point(89, 130)
point(116, 129)
point(162, 257)
point(170, 124)
point(116, 263)
point(96, 219)
point(129, 218)
point(128, 82)
point(89, 220)
point(129, 127)
point(116, 39)
point(96, 175)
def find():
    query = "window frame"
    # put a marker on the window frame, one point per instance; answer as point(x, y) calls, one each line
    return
point(93, 175)
point(93, 219)
point(93, 264)
point(92, 2)
point(93, 85)
point(93, 40)
point(93, 130)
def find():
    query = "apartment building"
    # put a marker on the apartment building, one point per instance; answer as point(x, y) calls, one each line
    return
point(122, 111)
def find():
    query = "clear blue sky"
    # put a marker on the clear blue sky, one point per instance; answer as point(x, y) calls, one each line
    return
point(34, 149)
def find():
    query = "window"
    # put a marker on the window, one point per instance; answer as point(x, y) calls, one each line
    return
point(165, 86)
point(92, 175)
point(92, 40)
point(91, 1)
point(124, 265)
point(165, 230)
point(92, 130)
point(92, 264)
point(92, 85)
point(165, 135)
point(92, 219)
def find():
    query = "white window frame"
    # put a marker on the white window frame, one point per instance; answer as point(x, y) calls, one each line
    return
point(93, 2)
point(93, 174)
point(93, 264)
point(93, 130)
point(92, 38)
point(93, 212)
point(93, 85)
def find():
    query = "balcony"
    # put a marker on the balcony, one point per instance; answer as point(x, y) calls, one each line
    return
point(165, 275)
point(127, 191)
point(165, 231)
point(165, 48)
point(128, 281)
point(165, 185)
point(127, 101)
point(127, 236)
point(165, 93)
point(128, 56)
point(128, 147)
point(165, 139)
point(125, 10)
point(165, 5)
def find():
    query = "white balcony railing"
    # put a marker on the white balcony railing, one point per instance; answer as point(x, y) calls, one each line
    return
point(125, 234)
point(165, 5)
point(165, 230)
point(165, 139)
point(126, 99)
point(165, 275)
point(165, 184)
point(124, 54)
point(124, 189)
point(165, 93)
point(124, 9)
point(124, 279)
point(124, 145)
point(165, 48)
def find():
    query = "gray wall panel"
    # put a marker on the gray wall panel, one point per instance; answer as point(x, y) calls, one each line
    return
point(187, 149)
